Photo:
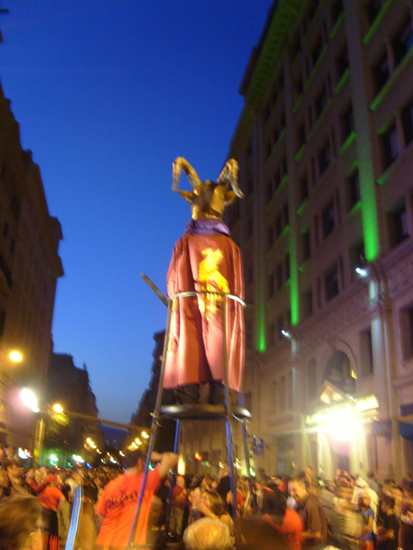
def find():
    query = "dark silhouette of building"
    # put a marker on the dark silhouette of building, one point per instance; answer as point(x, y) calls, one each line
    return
point(69, 386)
point(29, 268)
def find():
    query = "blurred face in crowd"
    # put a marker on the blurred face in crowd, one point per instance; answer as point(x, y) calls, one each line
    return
point(4, 479)
point(180, 482)
point(13, 471)
point(364, 500)
point(206, 500)
point(297, 490)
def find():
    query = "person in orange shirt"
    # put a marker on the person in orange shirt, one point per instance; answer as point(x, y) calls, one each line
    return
point(118, 503)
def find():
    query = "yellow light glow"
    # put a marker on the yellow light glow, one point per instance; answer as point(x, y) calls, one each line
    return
point(57, 407)
point(341, 424)
point(29, 399)
point(181, 466)
point(16, 356)
point(138, 441)
point(145, 435)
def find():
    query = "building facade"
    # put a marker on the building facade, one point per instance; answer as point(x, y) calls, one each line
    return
point(325, 147)
point(69, 386)
point(29, 268)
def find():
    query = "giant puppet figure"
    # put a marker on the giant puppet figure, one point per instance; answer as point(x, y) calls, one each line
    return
point(205, 260)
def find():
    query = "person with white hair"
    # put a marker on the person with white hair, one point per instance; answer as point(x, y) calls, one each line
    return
point(207, 534)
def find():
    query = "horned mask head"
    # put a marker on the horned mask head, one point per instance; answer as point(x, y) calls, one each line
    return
point(208, 199)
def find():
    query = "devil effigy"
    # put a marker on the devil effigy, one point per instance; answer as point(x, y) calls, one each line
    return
point(205, 260)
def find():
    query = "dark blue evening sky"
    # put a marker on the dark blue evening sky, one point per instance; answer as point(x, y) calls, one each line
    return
point(107, 94)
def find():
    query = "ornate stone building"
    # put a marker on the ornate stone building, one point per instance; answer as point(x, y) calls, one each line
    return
point(29, 268)
point(325, 146)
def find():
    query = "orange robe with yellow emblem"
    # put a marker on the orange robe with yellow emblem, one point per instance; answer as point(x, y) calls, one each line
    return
point(205, 259)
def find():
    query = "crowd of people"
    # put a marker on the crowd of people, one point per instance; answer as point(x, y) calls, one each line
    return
point(298, 512)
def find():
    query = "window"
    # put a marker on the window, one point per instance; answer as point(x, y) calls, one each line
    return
point(287, 266)
point(271, 334)
point(279, 275)
point(321, 101)
point(306, 247)
point(366, 352)
point(307, 302)
point(402, 40)
point(397, 224)
point(406, 328)
point(381, 72)
point(278, 226)
point(390, 145)
point(352, 189)
point(372, 9)
point(347, 123)
point(357, 257)
point(302, 189)
point(311, 379)
point(285, 215)
point(407, 118)
point(301, 136)
point(316, 51)
point(298, 88)
point(324, 158)
point(331, 283)
point(328, 220)
point(341, 64)
point(270, 285)
point(336, 10)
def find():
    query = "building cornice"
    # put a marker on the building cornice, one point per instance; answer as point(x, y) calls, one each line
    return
point(263, 66)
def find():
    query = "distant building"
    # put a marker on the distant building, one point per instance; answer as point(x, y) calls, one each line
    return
point(69, 386)
point(29, 268)
point(325, 146)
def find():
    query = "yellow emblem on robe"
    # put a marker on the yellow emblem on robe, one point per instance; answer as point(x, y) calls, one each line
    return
point(208, 275)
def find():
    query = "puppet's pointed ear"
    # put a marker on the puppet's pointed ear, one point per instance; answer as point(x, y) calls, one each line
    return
point(229, 198)
point(187, 195)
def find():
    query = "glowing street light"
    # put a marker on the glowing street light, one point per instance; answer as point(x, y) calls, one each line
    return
point(57, 407)
point(15, 356)
point(145, 435)
point(29, 399)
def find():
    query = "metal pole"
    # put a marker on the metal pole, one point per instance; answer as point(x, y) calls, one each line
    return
point(230, 444)
point(154, 428)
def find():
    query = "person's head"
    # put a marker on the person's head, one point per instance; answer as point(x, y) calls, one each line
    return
point(298, 488)
point(207, 534)
point(387, 504)
point(4, 479)
point(274, 503)
point(135, 459)
point(364, 500)
point(213, 501)
point(20, 523)
point(12, 469)
point(180, 482)
point(10, 452)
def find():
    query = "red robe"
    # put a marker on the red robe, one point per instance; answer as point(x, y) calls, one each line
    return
point(205, 259)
